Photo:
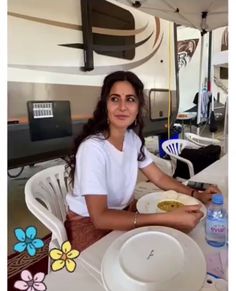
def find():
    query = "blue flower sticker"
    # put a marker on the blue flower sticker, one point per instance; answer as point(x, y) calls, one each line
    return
point(27, 240)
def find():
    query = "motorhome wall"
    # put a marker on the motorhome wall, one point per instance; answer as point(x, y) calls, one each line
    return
point(82, 98)
point(38, 67)
point(189, 73)
point(219, 87)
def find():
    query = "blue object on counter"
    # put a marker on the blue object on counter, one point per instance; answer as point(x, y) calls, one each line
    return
point(163, 137)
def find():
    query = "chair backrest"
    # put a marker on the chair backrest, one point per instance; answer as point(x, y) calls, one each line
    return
point(45, 196)
point(200, 140)
point(173, 147)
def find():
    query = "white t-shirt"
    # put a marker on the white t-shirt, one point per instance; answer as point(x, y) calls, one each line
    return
point(101, 169)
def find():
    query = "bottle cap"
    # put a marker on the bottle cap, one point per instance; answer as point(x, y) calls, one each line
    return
point(218, 199)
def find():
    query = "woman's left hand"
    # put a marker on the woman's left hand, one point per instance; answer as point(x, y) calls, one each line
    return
point(205, 196)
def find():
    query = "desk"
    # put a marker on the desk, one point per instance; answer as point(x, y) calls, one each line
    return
point(87, 274)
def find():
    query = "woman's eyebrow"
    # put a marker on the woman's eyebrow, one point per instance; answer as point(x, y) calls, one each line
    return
point(127, 95)
point(114, 94)
point(131, 95)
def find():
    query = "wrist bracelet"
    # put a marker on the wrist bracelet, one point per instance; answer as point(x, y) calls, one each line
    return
point(135, 218)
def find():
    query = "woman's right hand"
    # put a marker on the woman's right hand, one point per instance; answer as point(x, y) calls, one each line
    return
point(185, 218)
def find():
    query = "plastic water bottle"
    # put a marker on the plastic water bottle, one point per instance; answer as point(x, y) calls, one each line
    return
point(216, 222)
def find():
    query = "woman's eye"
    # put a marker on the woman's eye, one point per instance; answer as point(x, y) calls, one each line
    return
point(114, 98)
point(131, 99)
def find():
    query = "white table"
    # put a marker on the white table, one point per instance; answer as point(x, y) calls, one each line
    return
point(79, 280)
point(87, 275)
point(185, 117)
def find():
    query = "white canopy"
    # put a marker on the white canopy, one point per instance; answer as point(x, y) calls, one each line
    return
point(187, 12)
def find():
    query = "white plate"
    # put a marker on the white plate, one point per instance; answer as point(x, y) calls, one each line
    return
point(148, 203)
point(153, 258)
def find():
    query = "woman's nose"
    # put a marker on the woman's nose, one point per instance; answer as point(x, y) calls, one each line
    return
point(122, 105)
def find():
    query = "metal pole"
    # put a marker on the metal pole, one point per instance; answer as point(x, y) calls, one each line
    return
point(203, 27)
point(211, 110)
point(200, 86)
point(209, 61)
point(225, 145)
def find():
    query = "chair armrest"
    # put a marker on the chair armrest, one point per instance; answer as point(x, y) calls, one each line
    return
point(201, 140)
point(189, 163)
point(47, 218)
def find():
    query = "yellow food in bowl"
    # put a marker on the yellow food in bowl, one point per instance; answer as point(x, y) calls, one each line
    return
point(169, 205)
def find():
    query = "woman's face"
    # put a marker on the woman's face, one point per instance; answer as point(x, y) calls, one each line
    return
point(122, 105)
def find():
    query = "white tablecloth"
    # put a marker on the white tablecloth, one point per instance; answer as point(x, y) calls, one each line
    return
point(87, 275)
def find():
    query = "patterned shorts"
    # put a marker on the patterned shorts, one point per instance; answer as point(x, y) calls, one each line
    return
point(81, 231)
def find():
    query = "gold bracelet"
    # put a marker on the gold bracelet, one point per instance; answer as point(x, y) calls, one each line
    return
point(135, 218)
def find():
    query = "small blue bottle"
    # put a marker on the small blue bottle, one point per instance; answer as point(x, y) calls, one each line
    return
point(216, 222)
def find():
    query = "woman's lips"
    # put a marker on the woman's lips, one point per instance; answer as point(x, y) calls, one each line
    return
point(122, 117)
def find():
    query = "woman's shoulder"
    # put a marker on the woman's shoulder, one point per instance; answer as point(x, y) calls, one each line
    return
point(91, 152)
point(94, 140)
point(132, 136)
point(94, 143)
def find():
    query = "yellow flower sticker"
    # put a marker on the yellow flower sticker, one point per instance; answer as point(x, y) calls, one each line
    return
point(64, 257)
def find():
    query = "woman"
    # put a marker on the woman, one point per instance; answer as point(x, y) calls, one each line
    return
point(104, 170)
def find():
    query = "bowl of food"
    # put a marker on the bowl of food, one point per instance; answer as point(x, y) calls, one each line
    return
point(168, 205)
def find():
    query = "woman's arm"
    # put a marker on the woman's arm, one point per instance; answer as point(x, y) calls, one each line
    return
point(184, 218)
point(165, 182)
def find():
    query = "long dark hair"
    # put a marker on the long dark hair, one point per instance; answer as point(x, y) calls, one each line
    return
point(98, 123)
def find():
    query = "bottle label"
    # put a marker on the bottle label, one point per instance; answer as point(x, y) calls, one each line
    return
point(216, 228)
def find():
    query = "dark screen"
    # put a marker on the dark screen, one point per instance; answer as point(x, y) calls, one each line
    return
point(49, 119)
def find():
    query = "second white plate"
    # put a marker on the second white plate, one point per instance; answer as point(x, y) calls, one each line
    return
point(153, 258)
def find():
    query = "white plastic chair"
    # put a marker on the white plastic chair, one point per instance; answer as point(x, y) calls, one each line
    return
point(200, 140)
point(45, 194)
point(173, 148)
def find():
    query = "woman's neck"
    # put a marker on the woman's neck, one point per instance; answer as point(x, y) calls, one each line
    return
point(117, 137)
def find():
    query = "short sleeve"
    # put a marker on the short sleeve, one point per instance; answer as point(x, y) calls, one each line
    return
point(147, 161)
point(90, 165)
